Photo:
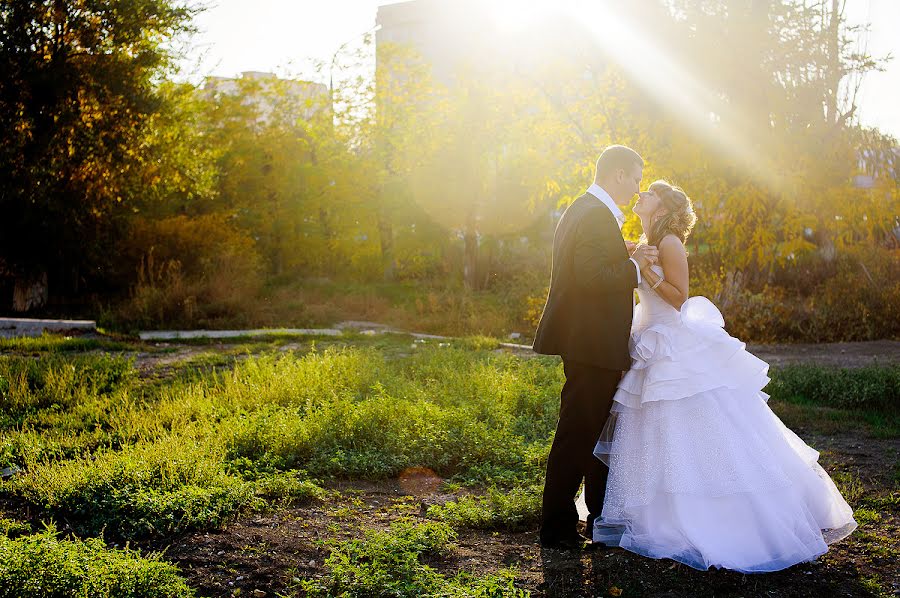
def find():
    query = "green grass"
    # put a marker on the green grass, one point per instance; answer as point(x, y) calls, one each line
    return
point(45, 565)
point(54, 343)
point(832, 400)
point(872, 388)
point(517, 509)
point(389, 564)
point(151, 489)
point(210, 437)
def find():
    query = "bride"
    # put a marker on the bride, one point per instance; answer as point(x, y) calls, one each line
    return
point(701, 470)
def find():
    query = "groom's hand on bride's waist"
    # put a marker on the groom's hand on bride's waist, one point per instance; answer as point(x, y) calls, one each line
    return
point(645, 255)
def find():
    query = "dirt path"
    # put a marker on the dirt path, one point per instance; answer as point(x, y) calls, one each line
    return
point(830, 354)
point(825, 354)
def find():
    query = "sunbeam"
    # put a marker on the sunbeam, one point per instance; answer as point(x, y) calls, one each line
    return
point(658, 73)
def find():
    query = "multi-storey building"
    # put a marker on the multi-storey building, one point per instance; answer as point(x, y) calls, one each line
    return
point(259, 90)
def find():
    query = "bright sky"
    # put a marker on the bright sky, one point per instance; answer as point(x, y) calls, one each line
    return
point(282, 36)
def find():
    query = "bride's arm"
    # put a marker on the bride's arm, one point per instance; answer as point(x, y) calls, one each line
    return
point(673, 260)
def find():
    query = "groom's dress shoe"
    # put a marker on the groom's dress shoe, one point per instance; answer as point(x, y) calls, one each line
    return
point(572, 541)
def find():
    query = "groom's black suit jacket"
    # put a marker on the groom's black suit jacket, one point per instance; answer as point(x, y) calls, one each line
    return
point(587, 317)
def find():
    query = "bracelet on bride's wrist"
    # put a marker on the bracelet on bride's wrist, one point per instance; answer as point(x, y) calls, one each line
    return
point(658, 282)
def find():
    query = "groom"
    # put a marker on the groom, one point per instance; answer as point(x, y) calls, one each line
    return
point(587, 321)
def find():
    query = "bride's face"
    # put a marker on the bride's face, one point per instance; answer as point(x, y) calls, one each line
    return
point(647, 205)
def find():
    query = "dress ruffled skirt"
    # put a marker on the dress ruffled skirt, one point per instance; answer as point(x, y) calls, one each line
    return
point(701, 470)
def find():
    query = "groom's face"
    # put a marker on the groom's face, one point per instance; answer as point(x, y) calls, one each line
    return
point(629, 184)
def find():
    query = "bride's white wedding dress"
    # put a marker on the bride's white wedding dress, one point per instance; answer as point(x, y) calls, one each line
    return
point(701, 470)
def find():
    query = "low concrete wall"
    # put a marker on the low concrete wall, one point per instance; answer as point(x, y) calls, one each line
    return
point(178, 334)
point(11, 327)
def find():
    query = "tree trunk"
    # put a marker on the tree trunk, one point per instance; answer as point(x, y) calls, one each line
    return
point(386, 236)
point(834, 74)
point(30, 293)
point(470, 263)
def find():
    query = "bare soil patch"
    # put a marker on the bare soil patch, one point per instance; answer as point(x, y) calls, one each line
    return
point(830, 354)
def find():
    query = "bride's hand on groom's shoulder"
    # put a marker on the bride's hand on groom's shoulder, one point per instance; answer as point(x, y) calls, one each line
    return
point(630, 246)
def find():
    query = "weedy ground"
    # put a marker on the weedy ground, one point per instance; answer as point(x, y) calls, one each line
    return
point(362, 466)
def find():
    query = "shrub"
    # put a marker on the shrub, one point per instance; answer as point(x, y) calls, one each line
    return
point(385, 563)
point(853, 297)
point(44, 565)
point(456, 412)
point(376, 438)
point(287, 487)
point(57, 381)
point(144, 490)
point(869, 388)
point(12, 528)
point(190, 272)
point(389, 564)
point(514, 510)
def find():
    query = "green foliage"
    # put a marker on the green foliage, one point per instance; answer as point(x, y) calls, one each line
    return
point(45, 565)
point(875, 388)
point(135, 461)
point(78, 103)
point(57, 382)
point(516, 509)
point(190, 272)
point(849, 485)
point(54, 343)
point(480, 343)
point(385, 563)
point(463, 414)
point(852, 297)
point(152, 489)
point(12, 528)
point(379, 437)
point(141, 491)
point(389, 564)
point(287, 487)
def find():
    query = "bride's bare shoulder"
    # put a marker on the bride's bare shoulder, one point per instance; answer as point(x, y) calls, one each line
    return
point(672, 245)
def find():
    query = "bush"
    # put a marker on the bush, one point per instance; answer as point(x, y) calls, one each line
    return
point(385, 563)
point(56, 381)
point(191, 272)
point(142, 491)
point(869, 388)
point(44, 565)
point(515, 510)
point(12, 528)
point(376, 437)
point(389, 564)
point(287, 487)
point(854, 297)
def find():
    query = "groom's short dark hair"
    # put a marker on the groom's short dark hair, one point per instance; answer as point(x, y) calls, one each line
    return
point(615, 157)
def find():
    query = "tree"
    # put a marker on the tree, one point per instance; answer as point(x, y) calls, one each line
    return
point(78, 87)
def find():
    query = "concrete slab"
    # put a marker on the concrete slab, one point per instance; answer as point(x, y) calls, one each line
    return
point(179, 334)
point(516, 346)
point(12, 327)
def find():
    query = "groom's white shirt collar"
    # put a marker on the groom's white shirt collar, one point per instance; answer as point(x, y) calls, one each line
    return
point(601, 194)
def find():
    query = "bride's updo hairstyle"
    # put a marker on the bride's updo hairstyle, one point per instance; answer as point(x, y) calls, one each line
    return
point(680, 217)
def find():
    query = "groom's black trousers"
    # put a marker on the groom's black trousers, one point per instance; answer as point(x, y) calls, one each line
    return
point(585, 402)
